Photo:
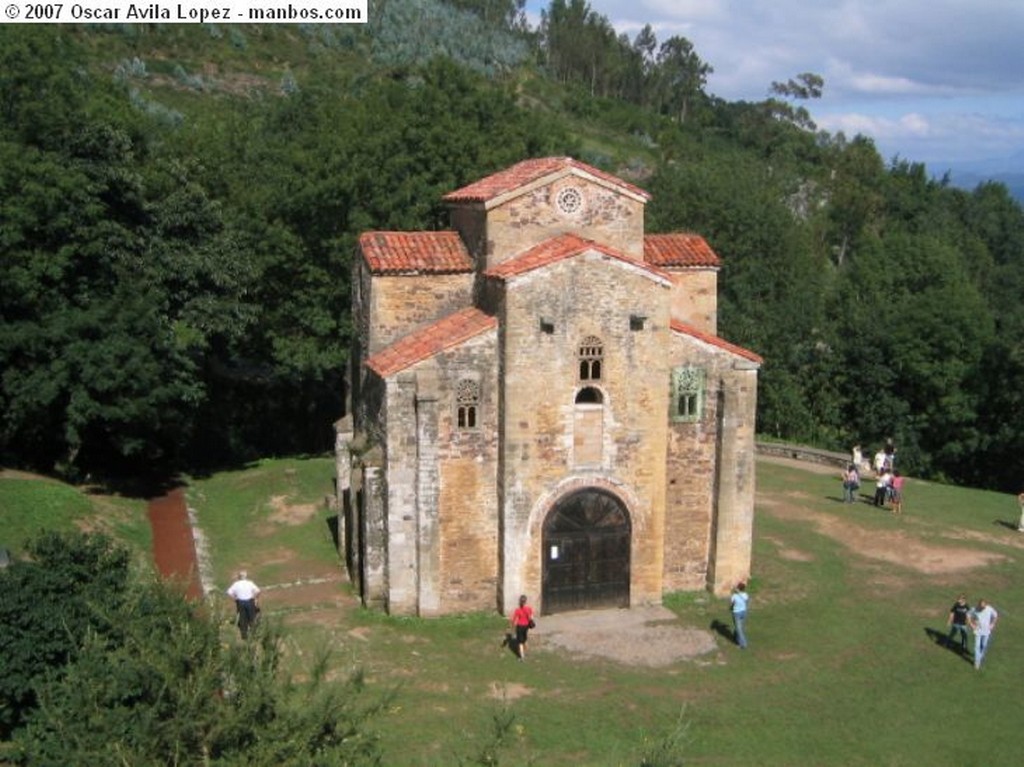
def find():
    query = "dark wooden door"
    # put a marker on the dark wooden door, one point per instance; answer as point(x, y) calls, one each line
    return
point(586, 553)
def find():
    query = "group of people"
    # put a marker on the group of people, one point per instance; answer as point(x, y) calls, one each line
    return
point(981, 620)
point(888, 481)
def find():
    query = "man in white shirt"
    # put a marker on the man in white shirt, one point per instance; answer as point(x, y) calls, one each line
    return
point(983, 621)
point(245, 593)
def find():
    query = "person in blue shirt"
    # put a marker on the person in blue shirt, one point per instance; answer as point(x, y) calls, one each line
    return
point(738, 604)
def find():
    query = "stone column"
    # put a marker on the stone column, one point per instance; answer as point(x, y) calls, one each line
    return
point(373, 532)
point(343, 477)
point(428, 543)
point(401, 495)
point(735, 480)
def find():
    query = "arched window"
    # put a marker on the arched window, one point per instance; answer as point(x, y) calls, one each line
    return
point(591, 355)
point(467, 402)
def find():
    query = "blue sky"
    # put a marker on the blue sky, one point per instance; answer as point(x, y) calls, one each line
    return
point(936, 81)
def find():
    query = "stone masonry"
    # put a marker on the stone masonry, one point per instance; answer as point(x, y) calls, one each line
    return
point(541, 405)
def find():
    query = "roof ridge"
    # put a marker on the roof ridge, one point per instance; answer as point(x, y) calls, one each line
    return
point(526, 172)
point(431, 339)
point(691, 330)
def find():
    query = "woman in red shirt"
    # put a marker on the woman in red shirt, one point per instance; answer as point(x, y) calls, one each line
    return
point(522, 622)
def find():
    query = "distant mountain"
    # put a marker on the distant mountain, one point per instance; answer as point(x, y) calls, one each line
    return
point(968, 174)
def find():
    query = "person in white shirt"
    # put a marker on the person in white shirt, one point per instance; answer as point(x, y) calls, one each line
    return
point(983, 621)
point(246, 595)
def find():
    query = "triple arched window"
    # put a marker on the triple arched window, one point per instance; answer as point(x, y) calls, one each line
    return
point(591, 358)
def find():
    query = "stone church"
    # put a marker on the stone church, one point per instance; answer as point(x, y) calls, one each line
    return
point(541, 405)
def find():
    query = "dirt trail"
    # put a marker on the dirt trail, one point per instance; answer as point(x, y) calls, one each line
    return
point(174, 549)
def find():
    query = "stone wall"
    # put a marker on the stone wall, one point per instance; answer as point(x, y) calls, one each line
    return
point(404, 303)
point(606, 217)
point(695, 298)
point(590, 295)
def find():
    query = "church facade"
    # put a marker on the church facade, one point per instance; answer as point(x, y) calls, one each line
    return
point(541, 405)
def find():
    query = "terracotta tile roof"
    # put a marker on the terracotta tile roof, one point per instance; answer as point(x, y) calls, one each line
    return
point(428, 341)
point(721, 343)
point(558, 248)
point(405, 252)
point(680, 249)
point(528, 171)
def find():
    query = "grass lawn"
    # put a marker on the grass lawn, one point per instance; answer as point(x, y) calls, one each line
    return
point(30, 504)
point(843, 667)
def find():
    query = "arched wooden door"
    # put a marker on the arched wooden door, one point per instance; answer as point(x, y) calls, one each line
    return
point(586, 553)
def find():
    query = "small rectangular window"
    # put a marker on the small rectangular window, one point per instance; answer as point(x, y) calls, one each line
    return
point(637, 322)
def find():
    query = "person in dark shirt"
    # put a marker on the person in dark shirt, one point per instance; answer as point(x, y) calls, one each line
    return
point(957, 622)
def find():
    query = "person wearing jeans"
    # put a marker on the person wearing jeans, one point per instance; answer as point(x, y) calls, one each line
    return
point(738, 604)
point(983, 621)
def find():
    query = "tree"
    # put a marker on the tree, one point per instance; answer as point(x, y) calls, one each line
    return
point(806, 86)
point(65, 589)
point(112, 670)
point(680, 76)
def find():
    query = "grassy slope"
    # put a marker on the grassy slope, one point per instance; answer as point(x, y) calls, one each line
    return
point(29, 504)
point(841, 671)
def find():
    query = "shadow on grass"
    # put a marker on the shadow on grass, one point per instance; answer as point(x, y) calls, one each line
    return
point(724, 630)
point(1007, 525)
point(939, 638)
point(510, 642)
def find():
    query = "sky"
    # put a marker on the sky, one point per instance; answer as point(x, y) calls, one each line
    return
point(933, 81)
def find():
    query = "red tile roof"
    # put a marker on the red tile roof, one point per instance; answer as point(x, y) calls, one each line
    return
point(528, 171)
point(721, 343)
point(405, 252)
point(428, 341)
point(558, 248)
point(680, 249)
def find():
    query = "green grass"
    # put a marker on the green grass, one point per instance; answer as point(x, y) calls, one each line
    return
point(31, 504)
point(842, 669)
point(238, 515)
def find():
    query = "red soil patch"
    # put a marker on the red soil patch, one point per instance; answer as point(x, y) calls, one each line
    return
point(174, 550)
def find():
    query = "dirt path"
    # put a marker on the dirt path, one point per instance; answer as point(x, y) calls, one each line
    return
point(174, 550)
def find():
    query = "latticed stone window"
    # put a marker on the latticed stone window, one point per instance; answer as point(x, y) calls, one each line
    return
point(467, 403)
point(591, 355)
point(688, 389)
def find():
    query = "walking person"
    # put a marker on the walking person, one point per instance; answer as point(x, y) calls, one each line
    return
point(983, 620)
point(1020, 500)
point(896, 493)
point(851, 483)
point(521, 621)
point(738, 605)
point(882, 483)
point(957, 622)
point(246, 595)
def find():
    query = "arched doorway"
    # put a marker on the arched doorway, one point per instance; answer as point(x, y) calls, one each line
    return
point(586, 553)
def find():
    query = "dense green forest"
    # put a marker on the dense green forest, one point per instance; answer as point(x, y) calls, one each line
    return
point(179, 207)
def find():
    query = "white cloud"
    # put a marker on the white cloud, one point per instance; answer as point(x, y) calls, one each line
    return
point(943, 75)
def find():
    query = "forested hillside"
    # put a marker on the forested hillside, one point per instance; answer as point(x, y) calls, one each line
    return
point(179, 207)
